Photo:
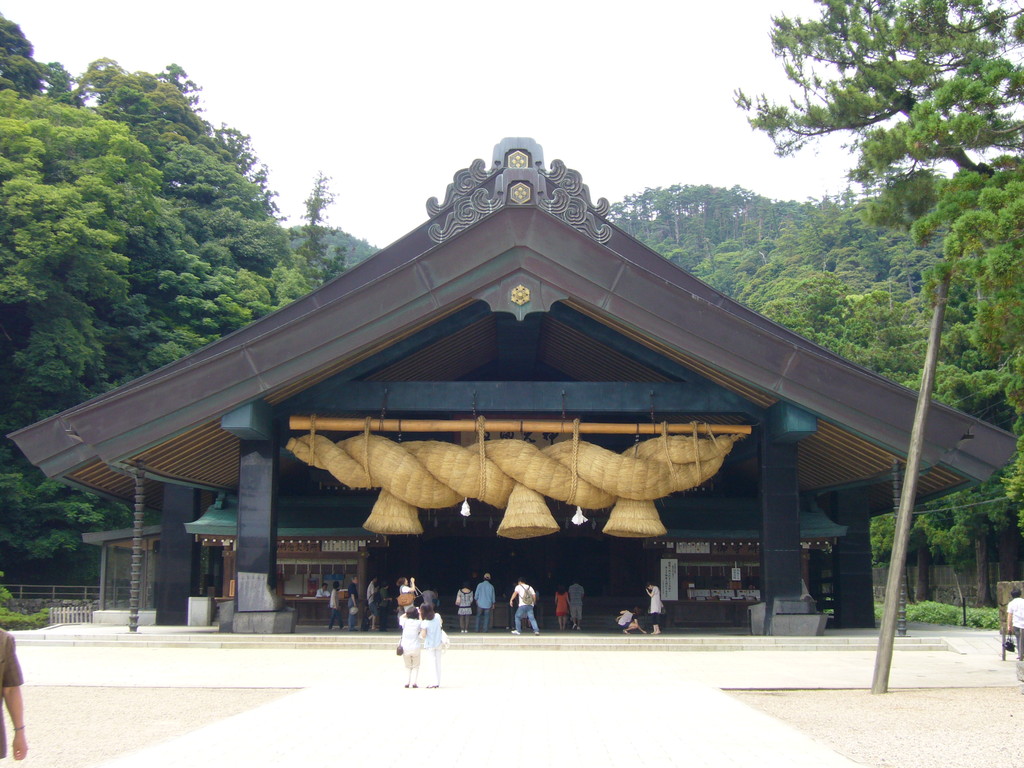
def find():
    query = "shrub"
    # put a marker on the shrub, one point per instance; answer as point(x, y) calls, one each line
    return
point(929, 612)
point(12, 620)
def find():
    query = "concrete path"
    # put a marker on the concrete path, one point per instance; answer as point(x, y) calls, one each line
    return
point(502, 706)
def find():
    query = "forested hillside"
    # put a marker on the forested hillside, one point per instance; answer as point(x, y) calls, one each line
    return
point(820, 269)
point(132, 232)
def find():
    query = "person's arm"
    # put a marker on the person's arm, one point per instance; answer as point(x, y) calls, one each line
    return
point(16, 709)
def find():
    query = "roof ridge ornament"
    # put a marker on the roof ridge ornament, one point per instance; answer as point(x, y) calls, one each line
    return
point(517, 177)
point(463, 183)
point(570, 201)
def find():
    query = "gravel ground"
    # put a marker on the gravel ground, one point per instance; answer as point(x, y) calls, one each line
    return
point(918, 728)
point(915, 728)
point(65, 731)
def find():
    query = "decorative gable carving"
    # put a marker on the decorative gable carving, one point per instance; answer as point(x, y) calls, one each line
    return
point(477, 192)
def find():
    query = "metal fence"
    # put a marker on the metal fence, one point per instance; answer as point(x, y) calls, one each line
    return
point(52, 592)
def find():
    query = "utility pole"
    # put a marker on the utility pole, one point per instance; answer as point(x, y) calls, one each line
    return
point(901, 536)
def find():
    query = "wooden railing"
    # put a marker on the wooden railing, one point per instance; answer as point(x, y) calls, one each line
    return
point(52, 592)
point(71, 614)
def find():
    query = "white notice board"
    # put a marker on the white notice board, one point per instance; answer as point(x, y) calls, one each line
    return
point(669, 579)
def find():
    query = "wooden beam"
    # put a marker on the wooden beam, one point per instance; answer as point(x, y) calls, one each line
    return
point(327, 424)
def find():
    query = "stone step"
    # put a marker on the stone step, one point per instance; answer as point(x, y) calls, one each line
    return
point(492, 641)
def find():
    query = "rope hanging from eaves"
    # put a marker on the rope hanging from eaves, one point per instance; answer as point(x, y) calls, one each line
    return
point(515, 475)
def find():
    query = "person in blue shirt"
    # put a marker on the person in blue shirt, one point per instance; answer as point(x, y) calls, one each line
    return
point(433, 640)
point(484, 597)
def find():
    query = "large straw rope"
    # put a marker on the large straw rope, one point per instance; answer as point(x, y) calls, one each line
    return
point(434, 475)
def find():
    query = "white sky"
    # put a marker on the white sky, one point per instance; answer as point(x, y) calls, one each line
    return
point(391, 99)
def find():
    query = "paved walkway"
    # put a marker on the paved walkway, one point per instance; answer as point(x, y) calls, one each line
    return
point(503, 706)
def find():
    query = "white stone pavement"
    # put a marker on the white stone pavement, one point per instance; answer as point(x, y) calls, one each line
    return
point(502, 707)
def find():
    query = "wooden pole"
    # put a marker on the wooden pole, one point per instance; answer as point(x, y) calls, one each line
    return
point(327, 424)
point(904, 517)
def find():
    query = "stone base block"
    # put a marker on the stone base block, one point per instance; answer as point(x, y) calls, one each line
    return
point(799, 625)
point(264, 622)
point(200, 611)
point(147, 618)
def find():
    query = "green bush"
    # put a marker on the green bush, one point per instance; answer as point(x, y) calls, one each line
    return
point(12, 620)
point(929, 612)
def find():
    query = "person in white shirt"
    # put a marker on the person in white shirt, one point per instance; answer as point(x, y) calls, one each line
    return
point(410, 624)
point(527, 599)
point(657, 607)
point(1015, 619)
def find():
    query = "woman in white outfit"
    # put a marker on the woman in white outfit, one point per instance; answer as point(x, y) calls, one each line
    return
point(654, 591)
point(411, 628)
point(430, 634)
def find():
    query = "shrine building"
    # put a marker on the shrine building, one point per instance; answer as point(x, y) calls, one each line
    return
point(516, 387)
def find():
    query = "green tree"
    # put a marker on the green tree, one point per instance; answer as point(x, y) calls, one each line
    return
point(928, 93)
point(18, 70)
point(321, 259)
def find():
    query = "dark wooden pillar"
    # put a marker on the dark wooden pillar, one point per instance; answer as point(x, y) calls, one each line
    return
point(256, 557)
point(851, 560)
point(780, 525)
point(177, 566)
point(781, 554)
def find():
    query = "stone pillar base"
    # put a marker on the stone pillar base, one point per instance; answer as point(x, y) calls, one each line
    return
point(264, 622)
point(256, 622)
point(799, 625)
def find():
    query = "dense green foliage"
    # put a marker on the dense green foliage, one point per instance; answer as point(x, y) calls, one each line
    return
point(929, 612)
point(132, 232)
point(11, 620)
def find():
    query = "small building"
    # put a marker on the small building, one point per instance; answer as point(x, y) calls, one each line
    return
point(603, 415)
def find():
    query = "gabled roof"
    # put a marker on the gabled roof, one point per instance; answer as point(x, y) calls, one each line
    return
point(517, 238)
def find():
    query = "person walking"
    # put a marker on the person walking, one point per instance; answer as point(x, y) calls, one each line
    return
point(411, 626)
point(1015, 619)
point(484, 596)
point(464, 602)
point(657, 607)
point(433, 640)
point(576, 593)
point(561, 606)
point(527, 599)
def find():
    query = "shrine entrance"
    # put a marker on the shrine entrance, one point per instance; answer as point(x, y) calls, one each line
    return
point(606, 567)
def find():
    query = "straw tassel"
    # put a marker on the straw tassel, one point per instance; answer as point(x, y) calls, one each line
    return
point(527, 515)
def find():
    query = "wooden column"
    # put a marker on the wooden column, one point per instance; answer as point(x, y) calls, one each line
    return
point(256, 557)
point(780, 525)
point(851, 560)
point(178, 564)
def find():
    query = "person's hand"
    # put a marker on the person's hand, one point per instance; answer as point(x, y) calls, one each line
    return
point(19, 746)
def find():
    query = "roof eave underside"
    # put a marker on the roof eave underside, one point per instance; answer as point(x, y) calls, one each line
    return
point(416, 282)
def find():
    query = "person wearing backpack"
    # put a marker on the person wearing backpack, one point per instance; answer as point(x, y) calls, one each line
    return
point(527, 599)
